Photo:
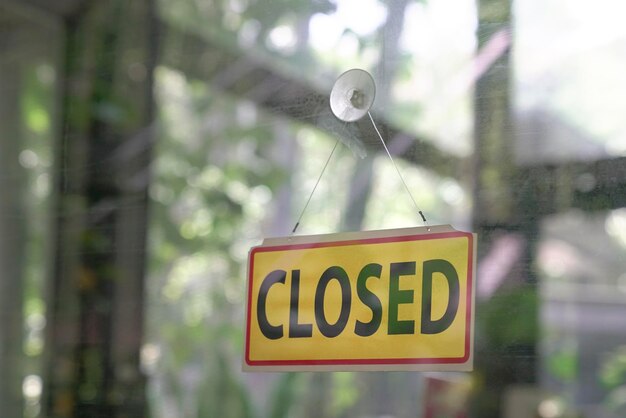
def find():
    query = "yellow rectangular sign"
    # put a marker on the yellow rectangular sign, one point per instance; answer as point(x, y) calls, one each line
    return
point(380, 300)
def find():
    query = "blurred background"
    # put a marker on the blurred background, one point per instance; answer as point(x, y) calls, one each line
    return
point(146, 145)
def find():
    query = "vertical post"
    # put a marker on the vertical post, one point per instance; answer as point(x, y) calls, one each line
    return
point(503, 202)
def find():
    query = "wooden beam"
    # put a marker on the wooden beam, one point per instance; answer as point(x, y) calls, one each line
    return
point(245, 74)
point(590, 186)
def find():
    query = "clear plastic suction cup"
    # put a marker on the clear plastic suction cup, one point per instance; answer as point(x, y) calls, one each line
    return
point(352, 95)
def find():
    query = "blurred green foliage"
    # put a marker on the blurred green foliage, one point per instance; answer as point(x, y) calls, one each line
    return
point(613, 372)
point(509, 318)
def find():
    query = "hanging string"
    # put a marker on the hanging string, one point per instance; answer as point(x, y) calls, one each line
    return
point(396, 167)
point(314, 188)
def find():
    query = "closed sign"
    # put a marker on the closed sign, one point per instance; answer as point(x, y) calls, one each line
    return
point(378, 300)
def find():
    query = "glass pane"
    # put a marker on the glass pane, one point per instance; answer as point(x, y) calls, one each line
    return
point(190, 130)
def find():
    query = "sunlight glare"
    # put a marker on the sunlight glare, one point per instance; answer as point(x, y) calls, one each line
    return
point(359, 16)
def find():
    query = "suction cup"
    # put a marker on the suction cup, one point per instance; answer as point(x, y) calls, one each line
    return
point(352, 95)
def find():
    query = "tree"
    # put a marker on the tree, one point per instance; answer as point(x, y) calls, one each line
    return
point(96, 301)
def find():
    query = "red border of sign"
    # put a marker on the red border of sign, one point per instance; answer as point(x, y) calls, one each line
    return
point(418, 237)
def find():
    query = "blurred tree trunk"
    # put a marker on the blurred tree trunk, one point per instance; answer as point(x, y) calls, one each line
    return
point(494, 168)
point(362, 177)
point(285, 155)
point(12, 230)
point(504, 202)
point(95, 305)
